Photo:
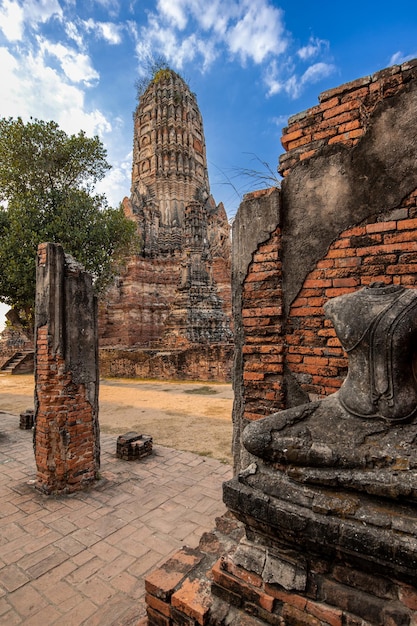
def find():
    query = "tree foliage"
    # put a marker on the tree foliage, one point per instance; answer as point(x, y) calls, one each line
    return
point(47, 180)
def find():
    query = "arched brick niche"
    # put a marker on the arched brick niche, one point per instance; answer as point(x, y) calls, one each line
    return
point(375, 250)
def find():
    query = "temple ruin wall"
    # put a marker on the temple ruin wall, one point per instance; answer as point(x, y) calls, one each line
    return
point(345, 216)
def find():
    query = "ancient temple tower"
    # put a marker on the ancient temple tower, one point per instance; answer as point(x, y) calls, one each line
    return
point(169, 162)
point(176, 292)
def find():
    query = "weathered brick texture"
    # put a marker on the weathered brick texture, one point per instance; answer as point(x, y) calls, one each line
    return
point(196, 587)
point(346, 216)
point(383, 250)
point(263, 351)
point(66, 437)
point(342, 115)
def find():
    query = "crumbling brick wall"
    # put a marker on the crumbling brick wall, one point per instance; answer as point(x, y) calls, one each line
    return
point(342, 115)
point(66, 437)
point(345, 216)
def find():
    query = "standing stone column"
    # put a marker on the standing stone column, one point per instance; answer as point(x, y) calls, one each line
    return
point(66, 436)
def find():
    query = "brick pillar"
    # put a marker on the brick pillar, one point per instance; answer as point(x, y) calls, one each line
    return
point(66, 437)
point(257, 305)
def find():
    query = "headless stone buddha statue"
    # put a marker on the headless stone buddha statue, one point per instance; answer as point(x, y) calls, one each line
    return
point(363, 438)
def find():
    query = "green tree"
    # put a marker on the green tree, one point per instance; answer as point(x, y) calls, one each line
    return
point(47, 180)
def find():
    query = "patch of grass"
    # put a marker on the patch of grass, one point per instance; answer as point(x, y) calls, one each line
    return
point(202, 391)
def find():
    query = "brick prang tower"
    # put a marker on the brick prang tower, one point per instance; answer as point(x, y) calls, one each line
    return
point(154, 303)
point(169, 162)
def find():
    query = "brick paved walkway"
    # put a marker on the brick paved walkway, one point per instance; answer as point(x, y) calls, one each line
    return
point(81, 559)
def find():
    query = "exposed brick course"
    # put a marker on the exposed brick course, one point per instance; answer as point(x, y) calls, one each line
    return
point(342, 115)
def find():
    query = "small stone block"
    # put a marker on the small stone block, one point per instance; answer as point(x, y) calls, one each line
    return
point(26, 419)
point(131, 446)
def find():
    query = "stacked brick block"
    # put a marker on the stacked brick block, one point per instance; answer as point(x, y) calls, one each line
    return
point(339, 597)
point(179, 592)
point(263, 350)
point(132, 446)
point(196, 588)
point(66, 438)
point(342, 115)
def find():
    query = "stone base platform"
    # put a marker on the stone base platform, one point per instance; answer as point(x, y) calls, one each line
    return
point(235, 579)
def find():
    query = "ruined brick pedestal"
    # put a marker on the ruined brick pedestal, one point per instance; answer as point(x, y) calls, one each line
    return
point(66, 437)
point(26, 419)
point(132, 446)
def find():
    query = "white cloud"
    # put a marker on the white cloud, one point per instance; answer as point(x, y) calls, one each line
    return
point(116, 185)
point(278, 80)
point(15, 15)
point(314, 47)
point(281, 120)
point(317, 72)
point(399, 57)
point(49, 80)
point(112, 6)
point(11, 20)
point(248, 30)
point(73, 34)
point(177, 50)
point(108, 31)
point(32, 88)
point(76, 66)
point(258, 33)
point(173, 12)
point(40, 11)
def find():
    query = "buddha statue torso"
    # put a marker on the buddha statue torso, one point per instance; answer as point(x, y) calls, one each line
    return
point(377, 327)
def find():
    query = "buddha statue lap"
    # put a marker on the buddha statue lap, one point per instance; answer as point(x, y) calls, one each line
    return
point(339, 476)
point(362, 437)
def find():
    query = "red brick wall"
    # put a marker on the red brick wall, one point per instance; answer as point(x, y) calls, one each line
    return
point(64, 437)
point(342, 115)
point(263, 350)
point(66, 430)
point(385, 250)
point(209, 362)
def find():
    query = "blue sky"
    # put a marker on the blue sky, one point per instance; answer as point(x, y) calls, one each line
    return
point(252, 64)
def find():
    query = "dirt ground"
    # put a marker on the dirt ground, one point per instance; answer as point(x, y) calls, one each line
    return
point(182, 415)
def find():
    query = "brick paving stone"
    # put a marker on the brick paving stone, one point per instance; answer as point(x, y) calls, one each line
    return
point(124, 582)
point(11, 618)
point(97, 590)
point(46, 616)
point(85, 571)
point(81, 559)
point(69, 545)
point(79, 613)
point(57, 592)
point(12, 578)
point(140, 567)
point(27, 600)
point(120, 564)
point(105, 551)
point(12, 557)
point(47, 564)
